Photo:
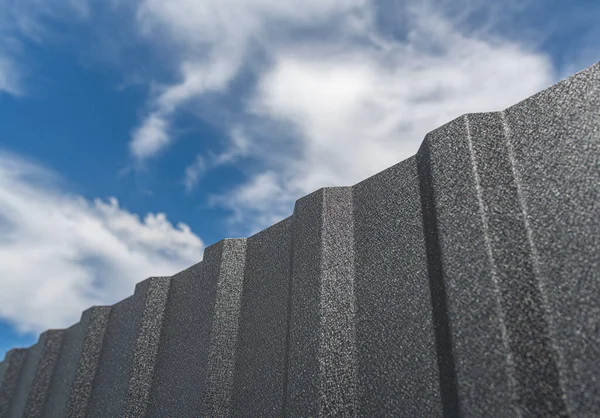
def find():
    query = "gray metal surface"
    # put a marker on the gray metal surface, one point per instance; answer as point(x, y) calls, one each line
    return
point(463, 281)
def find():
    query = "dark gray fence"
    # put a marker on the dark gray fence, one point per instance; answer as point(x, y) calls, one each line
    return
point(464, 281)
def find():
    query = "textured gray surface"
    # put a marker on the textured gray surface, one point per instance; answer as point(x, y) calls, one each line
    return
point(511, 258)
point(322, 358)
point(261, 354)
point(302, 375)
point(225, 326)
point(180, 367)
point(62, 380)
point(555, 142)
point(337, 345)
point(464, 281)
point(52, 342)
point(156, 292)
point(27, 374)
point(475, 359)
point(10, 378)
point(398, 371)
point(115, 365)
point(95, 320)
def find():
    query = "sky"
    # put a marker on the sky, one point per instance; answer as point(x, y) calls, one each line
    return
point(134, 133)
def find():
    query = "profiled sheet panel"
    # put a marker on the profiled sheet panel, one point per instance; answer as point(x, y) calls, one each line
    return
point(337, 345)
point(114, 370)
point(462, 282)
point(181, 362)
point(554, 143)
point(24, 385)
point(94, 321)
point(2, 370)
point(224, 334)
point(261, 353)
point(13, 361)
point(60, 385)
point(396, 347)
point(302, 389)
point(186, 380)
point(53, 340)
point(460, 262)
point(535, 372)
point(322, 360)
point(155, 293)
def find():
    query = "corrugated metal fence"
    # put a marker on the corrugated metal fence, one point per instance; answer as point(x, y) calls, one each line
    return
point(464, 281)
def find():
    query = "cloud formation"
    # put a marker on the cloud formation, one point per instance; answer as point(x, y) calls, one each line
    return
point(61, 253)
point(211, 40)
point(360, 110)
point(9, 77)
point(331, 109)
point(27, 21)
point(334, 91)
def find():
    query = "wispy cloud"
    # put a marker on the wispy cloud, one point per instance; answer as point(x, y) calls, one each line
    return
point(9, 77)
point(355, 108)
point(61, 253)
point(26, 21)
point(211, 39)
point(150, 137)
point(261, 201)
point(238, 147)
point(336, 90)
point(193, 173)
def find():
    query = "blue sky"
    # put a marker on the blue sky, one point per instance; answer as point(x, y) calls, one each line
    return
point(135, 133)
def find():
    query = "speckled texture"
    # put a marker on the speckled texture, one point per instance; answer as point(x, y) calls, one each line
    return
point(337, 348)
point(397, 357)
point(3, 365)
point(530, 374)
point(13, 361)
point(223, 339)
point(116, 360)
point(61, 382)
point(535, 372)
point(322, 311)
point(507, 185)
point(24, 384)
point(94, 321)
point(554, 141)
point(438, 289)
point(261, 352)
point(180, 369)
point(460, 263)
point(464, 281)
point(302, 388)
point(51, 344)
point(156, 290)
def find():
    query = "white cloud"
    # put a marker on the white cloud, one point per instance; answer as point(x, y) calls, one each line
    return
point(334, 96)
point(327, 109)
point(61, 253)
point(237, 148)
point(354, 110)
point(212, 38)
point(233, 22)
point(360, 112)
point(26, 20)
point(262, 201)
point(150, 137)
point(9, 77)
point(197, 78)
point(193, 173)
